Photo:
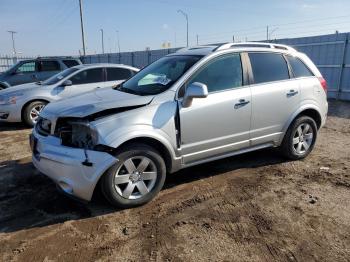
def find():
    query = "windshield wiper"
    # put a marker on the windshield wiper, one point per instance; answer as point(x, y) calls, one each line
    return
point(121, 88)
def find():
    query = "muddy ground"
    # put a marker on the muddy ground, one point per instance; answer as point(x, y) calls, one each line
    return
point(254, 207)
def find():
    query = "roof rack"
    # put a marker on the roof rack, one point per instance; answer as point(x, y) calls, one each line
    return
point(196, 47)
point(254, 44)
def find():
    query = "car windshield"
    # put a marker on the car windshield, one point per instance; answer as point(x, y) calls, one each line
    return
point(158, 76)
point(58, 77)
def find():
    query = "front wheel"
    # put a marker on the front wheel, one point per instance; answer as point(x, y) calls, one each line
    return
point(300, 138)
point(136, 178)
point(32, 111)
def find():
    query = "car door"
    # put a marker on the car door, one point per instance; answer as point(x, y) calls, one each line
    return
point(47, 68)
point(219, 123)
point(82, 82)
point(26, 72)
point(116, 75)
point(275, 96)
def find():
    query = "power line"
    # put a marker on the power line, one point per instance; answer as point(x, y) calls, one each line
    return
point(275, 25)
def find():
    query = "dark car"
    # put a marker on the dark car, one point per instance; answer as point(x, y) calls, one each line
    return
point(35, 70)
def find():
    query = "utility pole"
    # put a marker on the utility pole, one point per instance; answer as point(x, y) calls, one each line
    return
point(186, 16)
point(82, 26)
point(103, 45)
point(233, 39)
point(13, 42)
point(118, 41)
point(267, 33)
point(197, 40)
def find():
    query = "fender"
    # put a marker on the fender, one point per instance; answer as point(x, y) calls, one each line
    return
point(116, 139)
point(309, 104)
point(5, 85)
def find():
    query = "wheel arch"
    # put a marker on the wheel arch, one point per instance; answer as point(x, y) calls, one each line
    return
point(4, 85)
point(31, 101)
point(163, 149)
point(311, 111)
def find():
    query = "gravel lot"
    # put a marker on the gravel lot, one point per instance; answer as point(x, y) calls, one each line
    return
point(254, 207)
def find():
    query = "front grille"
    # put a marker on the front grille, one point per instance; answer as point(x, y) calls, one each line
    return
point(43, 126)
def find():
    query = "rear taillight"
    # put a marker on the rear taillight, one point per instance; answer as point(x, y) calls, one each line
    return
point(323, 83)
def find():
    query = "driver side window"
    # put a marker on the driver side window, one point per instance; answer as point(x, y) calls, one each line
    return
point(88, 76)
point(220, 74)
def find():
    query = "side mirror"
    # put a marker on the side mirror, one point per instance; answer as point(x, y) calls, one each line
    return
point(67, 83)
point(194, 90)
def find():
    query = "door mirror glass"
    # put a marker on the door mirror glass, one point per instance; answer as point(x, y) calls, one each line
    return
point(67, 83)
point(194, 90)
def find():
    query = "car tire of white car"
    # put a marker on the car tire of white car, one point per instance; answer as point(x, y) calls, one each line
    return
point(300, 138)
point(136, 178)
point(31, 112)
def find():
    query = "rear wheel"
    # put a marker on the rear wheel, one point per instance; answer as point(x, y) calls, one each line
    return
point(32, 111)
point(300, 138)
point(136, 178)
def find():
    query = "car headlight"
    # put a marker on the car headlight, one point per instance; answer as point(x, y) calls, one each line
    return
point(76, 133)
point(10, 99)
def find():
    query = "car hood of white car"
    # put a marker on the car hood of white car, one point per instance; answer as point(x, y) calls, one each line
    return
point(93, 102)
point(19, 88)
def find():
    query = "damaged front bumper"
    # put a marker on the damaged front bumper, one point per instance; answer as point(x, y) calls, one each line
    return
point(67, 167)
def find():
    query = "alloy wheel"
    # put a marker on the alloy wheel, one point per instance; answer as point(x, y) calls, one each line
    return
point(303, 138)
point(136, 177)
point(35, 111)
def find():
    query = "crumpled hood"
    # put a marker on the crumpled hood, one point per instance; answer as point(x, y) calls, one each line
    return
point(19, 88)
point(93, 102)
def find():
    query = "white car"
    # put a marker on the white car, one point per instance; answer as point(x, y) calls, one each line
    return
point(194, 106)
point(25, 102)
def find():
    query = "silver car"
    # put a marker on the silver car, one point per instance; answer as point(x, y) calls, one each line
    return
point(197, 105)
point(24, 102)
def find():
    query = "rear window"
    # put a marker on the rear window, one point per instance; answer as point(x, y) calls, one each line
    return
point(48, 66)
point(298, 67)
point(268, 67)
point(118, 74)
point(70, 63)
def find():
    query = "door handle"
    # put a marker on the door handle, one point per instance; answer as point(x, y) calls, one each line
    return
point(292, 93)
point(241, 102)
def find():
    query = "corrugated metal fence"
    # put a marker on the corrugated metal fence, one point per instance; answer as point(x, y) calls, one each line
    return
point(331, 53)
point(138, 59)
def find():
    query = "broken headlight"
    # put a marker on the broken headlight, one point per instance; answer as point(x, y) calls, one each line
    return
point(76, 133)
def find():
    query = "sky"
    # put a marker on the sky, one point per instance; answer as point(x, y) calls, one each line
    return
point(52, 27)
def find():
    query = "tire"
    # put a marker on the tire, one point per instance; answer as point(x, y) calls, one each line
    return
point(124, 190)
point(28, 114)
point(296, 146)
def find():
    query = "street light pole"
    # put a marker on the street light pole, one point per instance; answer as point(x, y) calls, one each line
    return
point(13, 41)
point(118, 40)
point(82, 26)
point(103, 45)
point(272, 31)
point(186, 16)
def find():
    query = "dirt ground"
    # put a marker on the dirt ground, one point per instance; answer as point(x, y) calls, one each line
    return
point(254, 207)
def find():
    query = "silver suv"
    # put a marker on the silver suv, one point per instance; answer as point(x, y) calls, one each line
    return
point(197, 105)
